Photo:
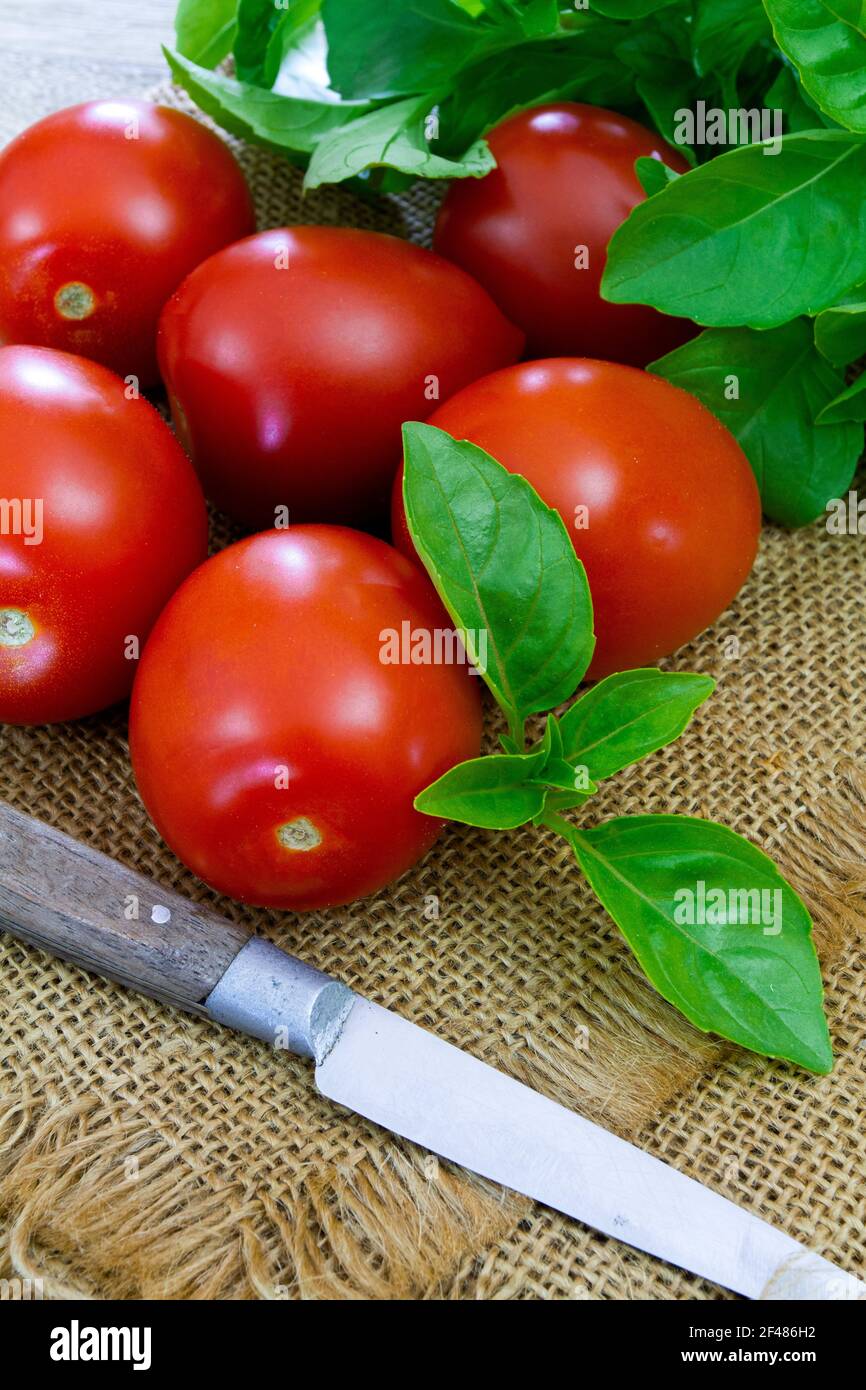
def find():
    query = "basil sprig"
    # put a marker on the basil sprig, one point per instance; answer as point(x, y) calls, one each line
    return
point(716, 928)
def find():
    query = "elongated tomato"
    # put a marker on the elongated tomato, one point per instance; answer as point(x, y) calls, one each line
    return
point(293, 358)
point(104, 208)
point(277, 742)
point(101, 517)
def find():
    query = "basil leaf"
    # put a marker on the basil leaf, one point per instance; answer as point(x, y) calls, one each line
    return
point(630, 9)
point(653, 174)
point(562, 776)
point(827, 44)
point(494, 792)
point(257, 57)
point(801, 113)
point(557, 773)
point(850, 404)
point(663, 99)
point(724, 33)
point(629, 715)
point(769, 389)
point(659, 55)
point(285, 125)
point(567, 785)
point(504, 566)
point(503, 791)
point(745, 238)
point(535, 19)
point(655, 47)
point(717, 929)
point(549, 745)
point(581, 67)
point(392, 48)
point(265, 30)
point(393, 137)
point(205, 30)
point(840, 332)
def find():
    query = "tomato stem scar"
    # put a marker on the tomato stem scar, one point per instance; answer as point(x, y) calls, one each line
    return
point(16, 629)
point(75, 300)
point(298, 834)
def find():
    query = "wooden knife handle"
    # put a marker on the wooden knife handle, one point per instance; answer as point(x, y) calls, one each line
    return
point(66, 898)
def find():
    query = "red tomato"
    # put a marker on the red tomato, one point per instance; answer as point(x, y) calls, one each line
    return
point(657, 496)
point(293, 358)
point(104, 208)
point(564, 181)
point(101, 518)
point(278, 754)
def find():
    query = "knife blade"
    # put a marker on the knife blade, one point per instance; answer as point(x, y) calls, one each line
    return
point(62, 896)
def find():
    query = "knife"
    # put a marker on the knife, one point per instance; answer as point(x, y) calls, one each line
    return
point(61, 896)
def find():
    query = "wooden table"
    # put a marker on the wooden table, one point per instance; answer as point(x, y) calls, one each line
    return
point(55, 54)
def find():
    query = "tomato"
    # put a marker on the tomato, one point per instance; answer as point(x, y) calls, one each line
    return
point(657, 496)
point(564, 181)
point(293, 358)
point(276, 749)
point(104, 208)
point(101, 517)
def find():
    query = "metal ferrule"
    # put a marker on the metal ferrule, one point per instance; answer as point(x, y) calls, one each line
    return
point(275, 997)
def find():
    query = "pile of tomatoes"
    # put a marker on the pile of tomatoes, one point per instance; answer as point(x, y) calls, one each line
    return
point(277, 753)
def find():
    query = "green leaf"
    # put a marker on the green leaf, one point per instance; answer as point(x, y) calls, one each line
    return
point(782, 384)
point(581, 67)
point(840, 332)
point(749, 238)
point(504, 566)
point(788, 94)
point(394, 48)
point(629, 715)
point(562, 776)
point(724, 33)
point(655, 47)
point(503, 791)
point(205, 30)
point(659, 55)
point(535, 19)
point(264, 32)
point(494, 792)
point(279, 123)
point(393, 137)
point(257, 56)
point(653, 174)
point(559, 774)
point(630, 9)
point(664, 99)
point(826, 40)
point(717, 929)
point(849, 405)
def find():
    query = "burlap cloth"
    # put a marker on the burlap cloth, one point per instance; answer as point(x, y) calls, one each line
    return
point(146, 1155)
